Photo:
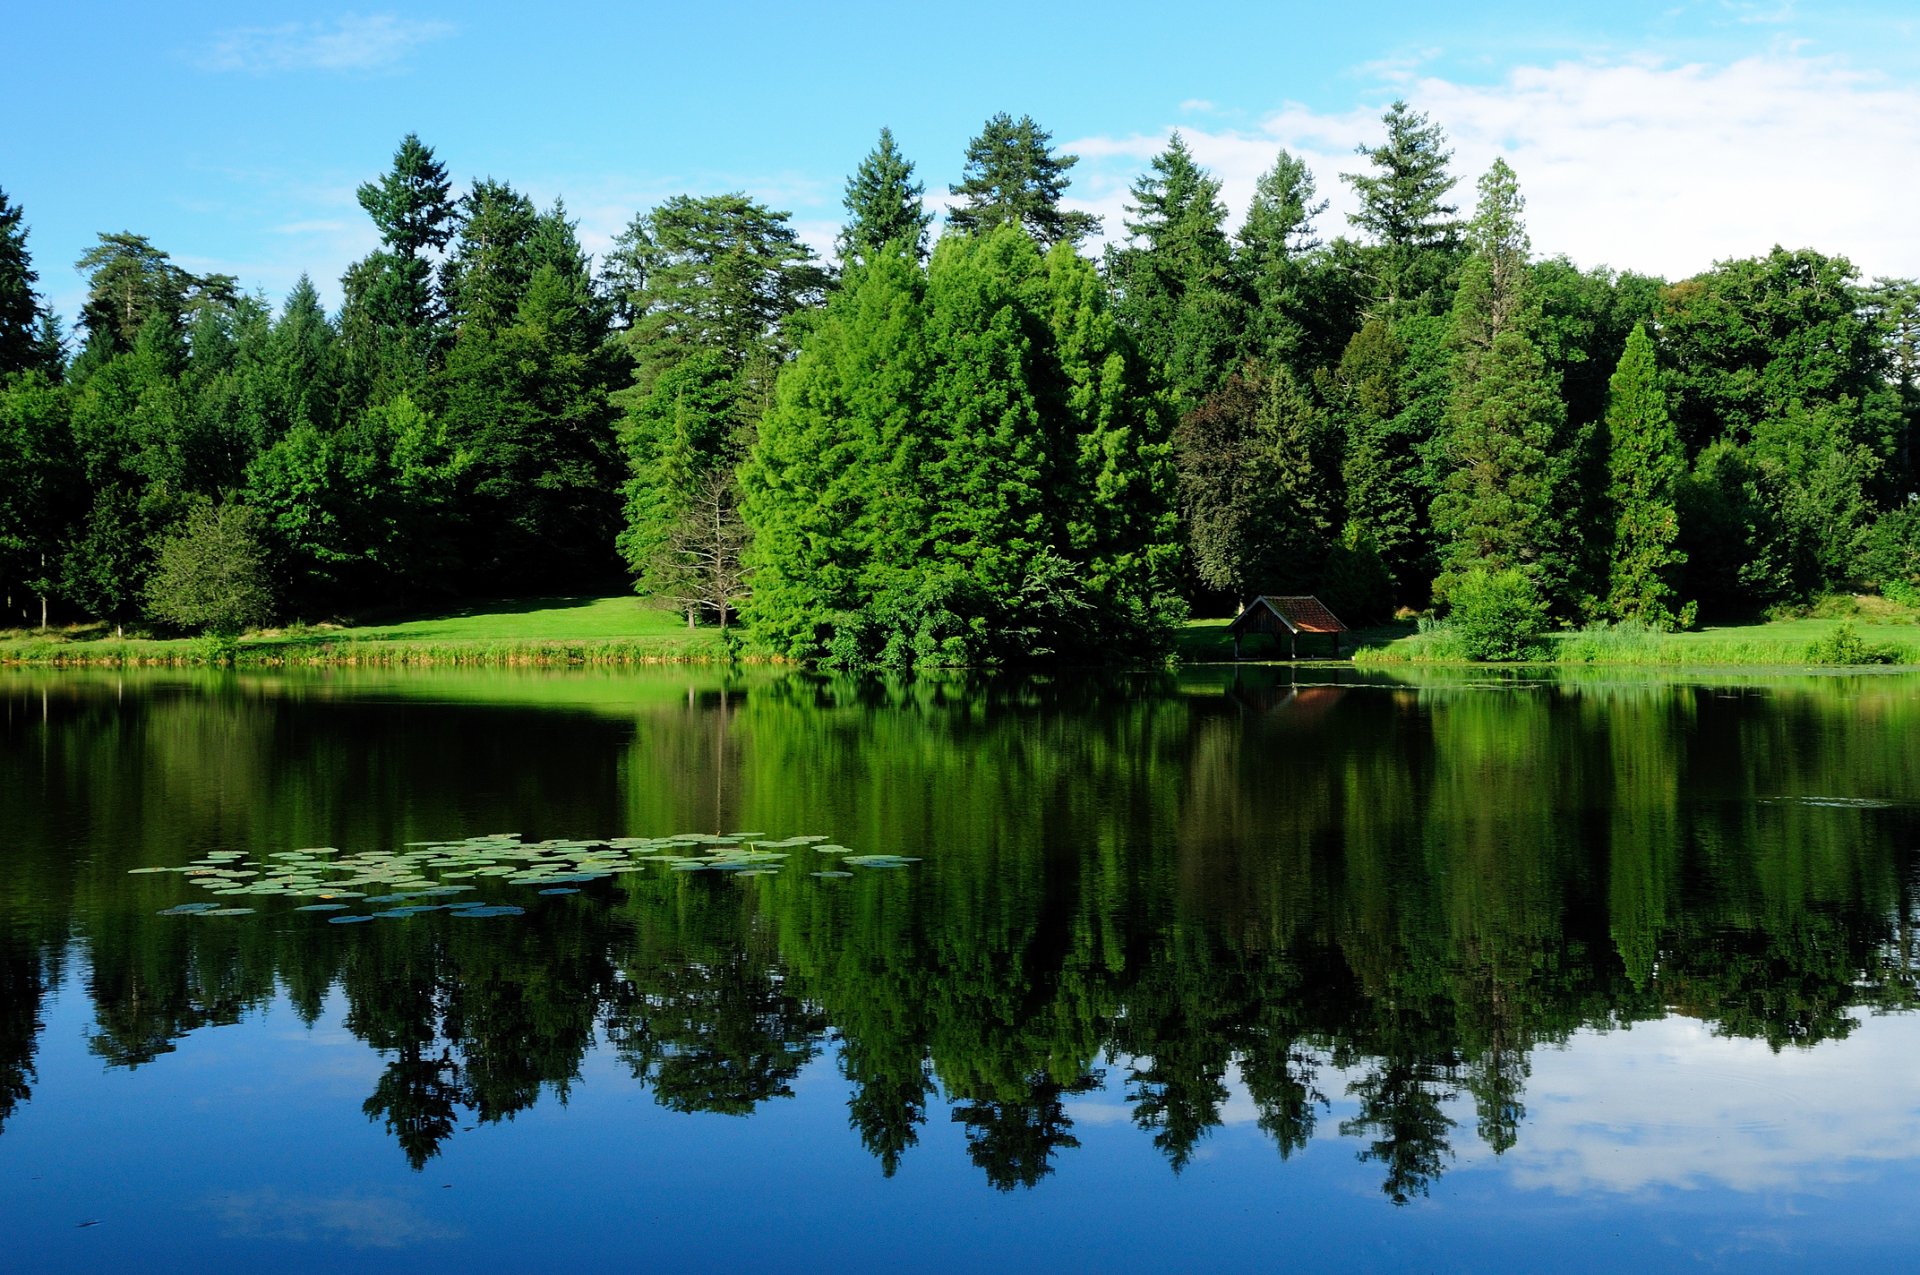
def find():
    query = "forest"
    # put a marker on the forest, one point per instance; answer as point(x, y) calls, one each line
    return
point(993, 445)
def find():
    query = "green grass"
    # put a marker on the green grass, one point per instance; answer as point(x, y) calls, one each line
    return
point(535, 632)
point(1783, 643)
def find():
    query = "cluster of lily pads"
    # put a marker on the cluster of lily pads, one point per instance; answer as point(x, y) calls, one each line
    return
point(429, 876)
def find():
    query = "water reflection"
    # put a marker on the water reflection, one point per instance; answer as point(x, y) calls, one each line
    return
point(1357, 908)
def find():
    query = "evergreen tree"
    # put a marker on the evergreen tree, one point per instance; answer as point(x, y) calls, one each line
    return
point(486, 272)
point(1174, 286)
point(883, 205)
point(834, 488)
point(724, 273)
point(1385, 397)
point(393, 311)
point(530, 403)
point(1499, 507)
point(38, 490)
point(959, 465)
point(1012, 178)
point(129, 283)
point(1403, 209)
point(1645, 464)
point(21, 310)
point(1277, 245)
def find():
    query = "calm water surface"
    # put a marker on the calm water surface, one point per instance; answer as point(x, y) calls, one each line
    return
point(1288, 968)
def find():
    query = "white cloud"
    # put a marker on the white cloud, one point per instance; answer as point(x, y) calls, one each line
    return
point(1637, 164)
point(351, 43)
point(1668, 1105)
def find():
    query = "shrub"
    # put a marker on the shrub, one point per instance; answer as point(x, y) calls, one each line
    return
point(1845, 646)
point(1498, 615)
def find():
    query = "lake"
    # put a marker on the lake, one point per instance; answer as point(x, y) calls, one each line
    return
point(1263, 967)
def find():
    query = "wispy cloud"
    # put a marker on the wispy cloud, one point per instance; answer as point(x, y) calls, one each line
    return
point(377, 42)
point(1639, 163)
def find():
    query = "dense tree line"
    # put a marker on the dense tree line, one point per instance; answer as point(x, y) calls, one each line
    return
point(989, 447)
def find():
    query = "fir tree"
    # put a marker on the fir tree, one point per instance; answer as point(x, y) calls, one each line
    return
point(1645, 466)
point(21, 312)
point(883, 205)
point(1276, 244)
point(1403, 209)
point(1174, 283)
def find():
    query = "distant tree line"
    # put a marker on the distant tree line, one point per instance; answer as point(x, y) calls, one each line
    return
point(987, 448)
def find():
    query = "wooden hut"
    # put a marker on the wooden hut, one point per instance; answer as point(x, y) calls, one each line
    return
point(1286, 619)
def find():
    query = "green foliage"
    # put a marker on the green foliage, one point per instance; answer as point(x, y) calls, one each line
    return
point(883, 205)
point(1175, 288)
point(1355, 583)
point(1646, 465)
point(210, 571)
point(723, 273)
point(530, 403)
point(1259, 488)
point(39, 486)
point(1892, 557)
point(1403, 208)
point(22, 312)
point(1497, 615)
point(1845, 646)
point(129, 283)
point(1277, 260)
point(961, 466)
point(1011, 178)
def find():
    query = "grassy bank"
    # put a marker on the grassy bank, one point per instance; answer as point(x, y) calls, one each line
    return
point(1881, 632)
point(534, 632)
point(623, 631)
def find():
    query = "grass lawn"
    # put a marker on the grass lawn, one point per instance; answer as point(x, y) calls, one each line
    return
point(529, 631)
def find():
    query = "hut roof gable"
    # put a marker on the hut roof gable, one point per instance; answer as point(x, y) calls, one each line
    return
point(1297, 614)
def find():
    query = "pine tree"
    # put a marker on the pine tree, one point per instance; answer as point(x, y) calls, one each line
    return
point(1011, 178)
point(1403, 209)
point(129, 283)
point(723, 273)
point(1645, 465)
point(883, 205)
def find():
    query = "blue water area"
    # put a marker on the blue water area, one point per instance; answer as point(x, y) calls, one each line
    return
point(1166, 974)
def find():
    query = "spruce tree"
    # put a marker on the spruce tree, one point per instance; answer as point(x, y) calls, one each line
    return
point(1276, 243)
point(20, 308)
point(1174, 285)
point(1645, 466)
point(1011, 178)
point(883, 205)
point(393, 310)
point(1403, 209)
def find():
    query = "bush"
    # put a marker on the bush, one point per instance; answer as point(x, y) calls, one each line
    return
point(1845, 646)
point(1498, 615)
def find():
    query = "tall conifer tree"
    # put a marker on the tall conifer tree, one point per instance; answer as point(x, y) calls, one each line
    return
point(1645, 467)
point(883, 205)
point(1012, 178)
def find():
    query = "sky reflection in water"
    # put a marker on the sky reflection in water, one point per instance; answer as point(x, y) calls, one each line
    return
point(1193, 972)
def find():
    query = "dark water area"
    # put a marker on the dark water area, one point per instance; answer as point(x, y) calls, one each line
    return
point(1269, 967)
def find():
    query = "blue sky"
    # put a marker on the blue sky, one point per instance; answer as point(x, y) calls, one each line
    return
point(1657, 137)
